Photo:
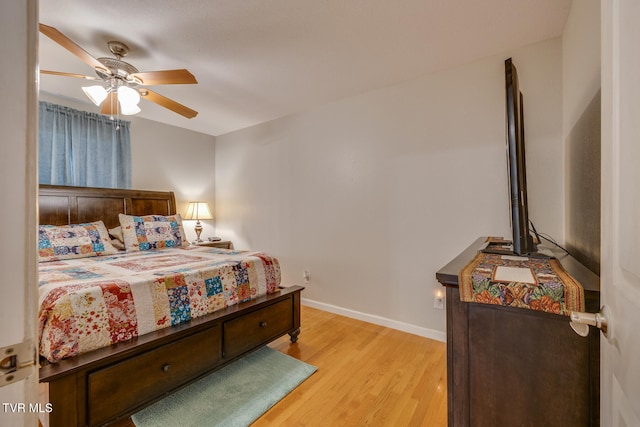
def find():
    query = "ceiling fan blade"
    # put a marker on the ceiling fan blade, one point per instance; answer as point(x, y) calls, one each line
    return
point(166, 77)
point(110, 106)
point(59, 73)
point(168, 103)
point(70, 45)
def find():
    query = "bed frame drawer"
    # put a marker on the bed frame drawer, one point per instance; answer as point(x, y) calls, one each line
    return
point(109, 384)
point(156, 372)
point(257, 328)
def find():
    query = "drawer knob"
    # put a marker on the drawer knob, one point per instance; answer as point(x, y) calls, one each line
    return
point(263, 324)
point(166, 367)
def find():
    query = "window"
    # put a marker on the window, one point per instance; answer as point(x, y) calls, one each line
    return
point(83, 149)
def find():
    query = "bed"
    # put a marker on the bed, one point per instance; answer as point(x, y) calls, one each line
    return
point(98, 378)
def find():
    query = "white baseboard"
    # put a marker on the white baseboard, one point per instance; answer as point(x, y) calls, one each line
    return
point(377, 320)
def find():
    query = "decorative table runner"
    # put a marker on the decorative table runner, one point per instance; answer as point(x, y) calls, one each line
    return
point(535, 283)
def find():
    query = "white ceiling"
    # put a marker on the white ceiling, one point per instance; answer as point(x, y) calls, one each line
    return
point(256, 60)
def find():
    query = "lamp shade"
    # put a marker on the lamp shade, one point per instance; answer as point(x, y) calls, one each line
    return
point(128, 99)
point(96, 93)
point(198, 211)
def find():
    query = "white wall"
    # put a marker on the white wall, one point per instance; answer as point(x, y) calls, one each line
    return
point(580, 60)
point(166, 157)
point(581, 131)
point(374, 193)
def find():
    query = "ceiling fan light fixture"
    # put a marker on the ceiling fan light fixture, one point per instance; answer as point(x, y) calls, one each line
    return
point(129, 99)
point(95, 93)
point(129, 110)
point(114, 72)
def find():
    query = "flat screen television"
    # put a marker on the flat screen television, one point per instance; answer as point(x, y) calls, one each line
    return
point(521, 239)
point(522, 242)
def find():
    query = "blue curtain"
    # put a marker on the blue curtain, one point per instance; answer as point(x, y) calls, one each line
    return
point(83, 149)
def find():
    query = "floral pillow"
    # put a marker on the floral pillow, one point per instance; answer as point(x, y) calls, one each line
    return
point(73, 241)
point(143, 233)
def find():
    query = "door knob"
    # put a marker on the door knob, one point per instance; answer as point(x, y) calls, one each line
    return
point(580, 321)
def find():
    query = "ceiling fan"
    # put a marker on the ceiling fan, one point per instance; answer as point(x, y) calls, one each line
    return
point(122, 85)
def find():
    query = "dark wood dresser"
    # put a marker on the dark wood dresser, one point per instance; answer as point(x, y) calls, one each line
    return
point(518, 367)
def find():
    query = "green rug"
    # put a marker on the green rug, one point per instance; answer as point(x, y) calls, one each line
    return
point(235, 395)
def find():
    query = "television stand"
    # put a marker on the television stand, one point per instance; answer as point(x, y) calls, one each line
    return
point(504, 363)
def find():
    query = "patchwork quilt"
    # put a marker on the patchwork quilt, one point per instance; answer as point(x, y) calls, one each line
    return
point(89, 303)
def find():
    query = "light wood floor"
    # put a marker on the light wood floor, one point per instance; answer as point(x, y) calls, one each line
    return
point(367, 375)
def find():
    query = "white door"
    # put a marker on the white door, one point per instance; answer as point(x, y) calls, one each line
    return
point(18, 184)
point(620, 264)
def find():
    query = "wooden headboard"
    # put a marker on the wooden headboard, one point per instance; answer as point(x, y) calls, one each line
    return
point(60, 205)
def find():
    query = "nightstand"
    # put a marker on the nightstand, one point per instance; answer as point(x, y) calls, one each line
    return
point(224, 244)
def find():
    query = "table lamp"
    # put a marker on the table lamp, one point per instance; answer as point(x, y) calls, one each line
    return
point(198, 211)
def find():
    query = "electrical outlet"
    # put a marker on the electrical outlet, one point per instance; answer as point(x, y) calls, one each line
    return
point(307, 276)
point(438, 301)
